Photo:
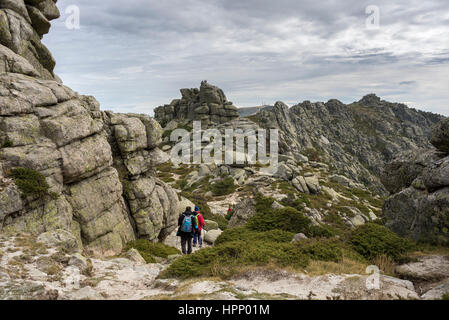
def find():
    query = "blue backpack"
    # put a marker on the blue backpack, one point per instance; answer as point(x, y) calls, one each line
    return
point(187, 224)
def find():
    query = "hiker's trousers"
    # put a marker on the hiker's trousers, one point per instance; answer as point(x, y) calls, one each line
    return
point(198, 238)
point(186, 241)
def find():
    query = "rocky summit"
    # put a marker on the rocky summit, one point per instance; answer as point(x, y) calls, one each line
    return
point(89, 199)
point(208, 104)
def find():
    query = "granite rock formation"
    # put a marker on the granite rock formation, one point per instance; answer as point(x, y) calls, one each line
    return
point(357, 140)
point(208, 104)
point(98, 165)
point(419, 182)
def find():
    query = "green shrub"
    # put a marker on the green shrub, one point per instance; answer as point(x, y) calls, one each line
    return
point(227, 259)
point(322, 249)
point(323, 231)
point(244, 234)
point(286, 219)
point(148, 250)
point(372, 240)
point(30, 182)
point(263, 204)
point(223, 187)
point(298, 203)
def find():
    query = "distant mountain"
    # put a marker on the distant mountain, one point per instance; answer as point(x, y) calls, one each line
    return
point(358, 139)
point(250, 111)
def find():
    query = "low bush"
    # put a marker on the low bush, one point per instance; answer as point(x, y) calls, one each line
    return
point(148, 250)
point(322, 249)
point(30, 182)
point(244, 234)
point(372, 240)
point(223, 187)
point(227, 259)
point(286, 219)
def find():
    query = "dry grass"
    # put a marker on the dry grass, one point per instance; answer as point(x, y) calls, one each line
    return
point(346, 266)
point(427, 250)
point(385, 264)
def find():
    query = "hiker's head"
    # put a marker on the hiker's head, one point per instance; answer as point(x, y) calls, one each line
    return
point(189, 209)
point(197, 208)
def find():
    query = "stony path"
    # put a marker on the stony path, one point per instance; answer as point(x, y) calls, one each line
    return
point(29, 270)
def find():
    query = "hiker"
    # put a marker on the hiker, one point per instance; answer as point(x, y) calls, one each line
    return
point(197, 237)
point(187, 225)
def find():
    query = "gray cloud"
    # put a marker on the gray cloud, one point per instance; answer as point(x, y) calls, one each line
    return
point(134, 55)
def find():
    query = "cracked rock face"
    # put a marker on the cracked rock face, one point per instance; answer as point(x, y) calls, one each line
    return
point(98, 165)
point(357, 139)
point(419, 205)
point(48, 128)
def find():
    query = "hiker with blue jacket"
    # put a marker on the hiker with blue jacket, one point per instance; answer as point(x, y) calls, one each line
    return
point(187, 226)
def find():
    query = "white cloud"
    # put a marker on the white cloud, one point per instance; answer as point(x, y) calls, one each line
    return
point(134, 55)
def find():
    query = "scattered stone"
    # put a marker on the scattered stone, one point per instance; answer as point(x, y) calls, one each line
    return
point(79, 261)
point(299, 237)
point(135, 256)
point(211, 236)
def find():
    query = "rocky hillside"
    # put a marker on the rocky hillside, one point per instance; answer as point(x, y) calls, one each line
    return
point(78, 184)
point(65, 164)
point(356, 139)
point(419, 183)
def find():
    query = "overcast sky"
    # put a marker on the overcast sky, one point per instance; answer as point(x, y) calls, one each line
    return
point(134, 55)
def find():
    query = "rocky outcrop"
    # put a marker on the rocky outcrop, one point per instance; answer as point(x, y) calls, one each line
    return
point(244, 210)
point(356, 139)
point(208, 104)
point(419, 206)
point(22, 25)
point(98, 165)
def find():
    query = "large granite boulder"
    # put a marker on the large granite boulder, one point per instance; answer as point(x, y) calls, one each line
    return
point(440, 136)
point(244, 210)
point(419, 207)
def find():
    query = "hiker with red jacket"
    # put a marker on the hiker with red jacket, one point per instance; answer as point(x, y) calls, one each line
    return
point(197, 237)
point(187, 226)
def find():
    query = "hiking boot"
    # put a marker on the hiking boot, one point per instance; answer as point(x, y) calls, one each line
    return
point(194, 245)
